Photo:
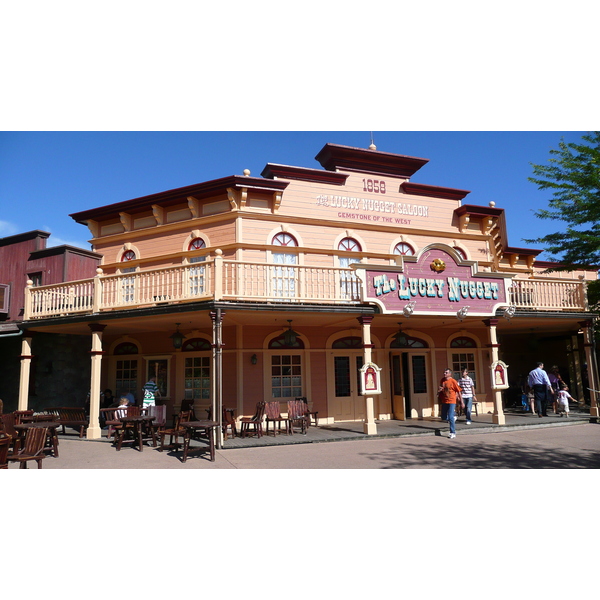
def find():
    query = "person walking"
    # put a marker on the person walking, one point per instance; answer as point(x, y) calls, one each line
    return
point(467, 389)
point(151, 392)
point(562, 400)
point(448, 393)
point(539, 382)
point(556, 383)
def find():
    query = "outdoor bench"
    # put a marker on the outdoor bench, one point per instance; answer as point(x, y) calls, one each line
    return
point(70, 417)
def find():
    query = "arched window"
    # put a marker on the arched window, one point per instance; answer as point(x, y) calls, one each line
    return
point(349, 245)
point(279, 343)
point(348, 343)
point(196, 345)
point(463, 342)
point(284, 278)
point(197, 244)
point(407, 341)
point(196, 274)
point(404, 249)
point(284, 239)
point(349, 281)
point(126, 348)
point(128, 255)
point(460, 252)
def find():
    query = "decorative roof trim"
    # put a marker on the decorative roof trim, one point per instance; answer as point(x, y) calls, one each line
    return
point(272, 171)
point(333, 157)
point(421, 189)
point(199, 191)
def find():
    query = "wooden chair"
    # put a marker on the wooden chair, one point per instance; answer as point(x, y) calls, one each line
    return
point(21, 415)
point(5, 442)
point(160, 417)
point(188, 406)
point(229, 422)
point(273, 412)
point(311, 413)
point(35, 441)
point(8, 422)
point(176, 431)
point(256, 421)
point(112, 417)
point(297, 415)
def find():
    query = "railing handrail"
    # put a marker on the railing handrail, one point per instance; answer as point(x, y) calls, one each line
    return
point(221, 279)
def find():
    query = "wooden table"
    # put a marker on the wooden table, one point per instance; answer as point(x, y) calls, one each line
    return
point(51, 426)
point(138, 425)
point(193, 426)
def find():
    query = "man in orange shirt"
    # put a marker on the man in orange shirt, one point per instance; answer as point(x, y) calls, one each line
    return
point(448, 393)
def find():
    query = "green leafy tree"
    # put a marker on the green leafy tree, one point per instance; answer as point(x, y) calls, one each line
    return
point(573, 177)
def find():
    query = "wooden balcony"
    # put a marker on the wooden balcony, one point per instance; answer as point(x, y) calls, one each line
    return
point(216, 279)
point(229, 280)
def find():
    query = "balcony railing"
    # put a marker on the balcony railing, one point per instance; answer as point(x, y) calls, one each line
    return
point(221, 279)
point(548, 294)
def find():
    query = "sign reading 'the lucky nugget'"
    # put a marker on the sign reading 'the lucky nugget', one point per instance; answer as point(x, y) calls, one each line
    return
point(434, 283)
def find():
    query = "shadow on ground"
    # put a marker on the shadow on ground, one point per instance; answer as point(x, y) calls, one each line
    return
point(479, 456)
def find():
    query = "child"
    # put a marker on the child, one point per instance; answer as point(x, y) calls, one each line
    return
point(563, 400)
point(122, 409)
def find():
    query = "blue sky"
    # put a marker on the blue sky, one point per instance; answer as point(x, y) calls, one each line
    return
point(45, 176)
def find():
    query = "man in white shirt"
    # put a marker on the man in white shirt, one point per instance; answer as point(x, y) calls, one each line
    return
point(540, 383)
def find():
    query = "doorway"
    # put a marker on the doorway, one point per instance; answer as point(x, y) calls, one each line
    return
point(410, 385)
point(346, 403)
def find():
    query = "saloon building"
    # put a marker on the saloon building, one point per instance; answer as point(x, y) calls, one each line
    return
point(245, 288)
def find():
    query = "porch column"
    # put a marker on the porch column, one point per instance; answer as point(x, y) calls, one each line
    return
point(498, 416)
point(26, 357)
point(370, 427)
point(590, 357)
point(217, 383)
point(94, 431)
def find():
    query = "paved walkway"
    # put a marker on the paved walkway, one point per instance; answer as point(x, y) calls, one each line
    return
point(78, 453)
point(412, 427)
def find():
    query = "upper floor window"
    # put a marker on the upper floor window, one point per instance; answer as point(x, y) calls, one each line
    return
point(4, 297)
point(197, 244)
point(284, 239)
point(36, 278)
point(349, 245)
point(404, 249)
point(128, 255)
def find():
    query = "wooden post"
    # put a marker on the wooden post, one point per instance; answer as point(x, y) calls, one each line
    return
point(27, 308)
point(97, 291)
point(217, 379)
point(26, 357)
point(218, 278)
point(94, 432)
point(498, 416)
point(590, 357)
point(370, 427)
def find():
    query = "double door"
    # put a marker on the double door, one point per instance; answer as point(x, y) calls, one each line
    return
point(411, 393)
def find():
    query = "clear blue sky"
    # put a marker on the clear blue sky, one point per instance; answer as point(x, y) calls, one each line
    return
point(45, 176)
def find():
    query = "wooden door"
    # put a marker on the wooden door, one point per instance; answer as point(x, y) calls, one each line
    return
point(346, 404)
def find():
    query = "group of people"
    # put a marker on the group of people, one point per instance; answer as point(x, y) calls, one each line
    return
point(548, 387)
point(150, 390)
point(543, 385)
